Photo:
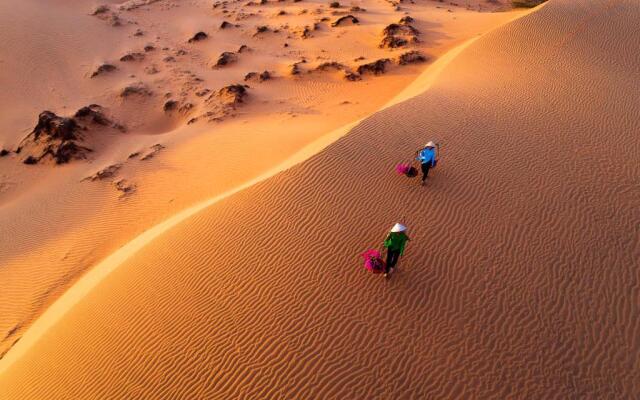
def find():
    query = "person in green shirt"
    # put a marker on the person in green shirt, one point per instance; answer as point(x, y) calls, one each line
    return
point(395, 243)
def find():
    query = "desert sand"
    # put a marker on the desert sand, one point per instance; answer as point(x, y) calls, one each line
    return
point(229, 268)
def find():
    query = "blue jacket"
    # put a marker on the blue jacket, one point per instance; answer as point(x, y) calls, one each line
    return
point(427, 155)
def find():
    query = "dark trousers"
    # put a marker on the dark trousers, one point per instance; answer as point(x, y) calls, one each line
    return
point(425, 170)
point(392, 259)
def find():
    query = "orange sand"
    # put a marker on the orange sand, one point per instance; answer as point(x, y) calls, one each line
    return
point(521, 279)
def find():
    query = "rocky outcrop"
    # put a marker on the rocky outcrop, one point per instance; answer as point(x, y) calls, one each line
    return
point(103, 69)
point(170, 105)
point(94, 114)
point(105, 13)
point(226, 58)
point(125, 187)
point(261, 29)
point(135, 89)
point(61, 138)
point(232, 95)
point(331, 65)
point(400, 34)
point(377, 67)
point(153, 150)
point(411, 57)
point(198, 37)
point(347, 19)
point(105, 173)
point(223, 102)
point(133, 56)
point(260, 77)
point(294, 69)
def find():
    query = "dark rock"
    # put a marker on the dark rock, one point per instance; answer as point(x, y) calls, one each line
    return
point(254, 76)
point(30, 160)
point(4, 152)
point(357, 9)
point(376, 67)
point(103, 69)
point(198, 37)
point(170, 105)
point(93, 114)
point(265, 76)
point(138, 33)
point(125, 187)
point(411, 57)
point(132, 57)
point(154, 150)
point(306, 33)
point(244, 48)
point(232, 94)
point(393, 42)
point(149, 48)
point(103, 9)
point(51, 126)
point(226, 58)
point(334, 4)
point(295, 67)
point(169, 59)
point(186, 107)
point(406, 20)
point(139, 89)
point(399, 35)
point(226, 25)
point(352, 77)
point(261, 29)
point(400, 29)
point(59, 137)
point(330, 65)
point(345, 19)
point(105, 173)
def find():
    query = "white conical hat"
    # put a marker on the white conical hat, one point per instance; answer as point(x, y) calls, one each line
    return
point(398, 228)
point(430, 144)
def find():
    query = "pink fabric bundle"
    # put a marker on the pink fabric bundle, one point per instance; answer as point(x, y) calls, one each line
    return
point(373, 261)
point(402, 169)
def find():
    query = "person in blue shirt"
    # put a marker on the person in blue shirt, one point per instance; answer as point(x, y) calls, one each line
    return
point(428, 157)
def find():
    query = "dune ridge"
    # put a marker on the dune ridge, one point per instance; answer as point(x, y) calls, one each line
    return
point(62, 222)
point(521, 279)
point(103, 268)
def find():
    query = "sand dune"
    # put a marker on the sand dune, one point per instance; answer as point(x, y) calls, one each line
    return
point(166, 92)
point(520, 281)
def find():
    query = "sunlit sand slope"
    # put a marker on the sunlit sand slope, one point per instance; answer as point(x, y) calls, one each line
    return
point(521, 279)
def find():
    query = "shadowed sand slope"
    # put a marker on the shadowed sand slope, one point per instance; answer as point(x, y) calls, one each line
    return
point(521, 279)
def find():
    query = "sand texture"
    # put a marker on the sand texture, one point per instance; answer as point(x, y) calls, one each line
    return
point(521, 279)
point(180, 130)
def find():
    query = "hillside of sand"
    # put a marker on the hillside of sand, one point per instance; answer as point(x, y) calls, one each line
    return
point(173, 127)
point(520, 281)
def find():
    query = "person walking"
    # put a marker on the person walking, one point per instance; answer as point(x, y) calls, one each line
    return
point(395, 243)
point(428, 158)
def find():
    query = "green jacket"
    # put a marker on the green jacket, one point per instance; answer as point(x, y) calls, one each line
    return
point(396, 241)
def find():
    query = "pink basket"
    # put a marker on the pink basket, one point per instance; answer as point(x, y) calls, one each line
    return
point(373, 261)
point(402, 169)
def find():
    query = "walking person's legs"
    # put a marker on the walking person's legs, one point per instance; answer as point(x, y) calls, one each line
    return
point(392, 260)
point(425, 170)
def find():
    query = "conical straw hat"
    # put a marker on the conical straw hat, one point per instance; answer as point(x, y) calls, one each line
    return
point(398, 228)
